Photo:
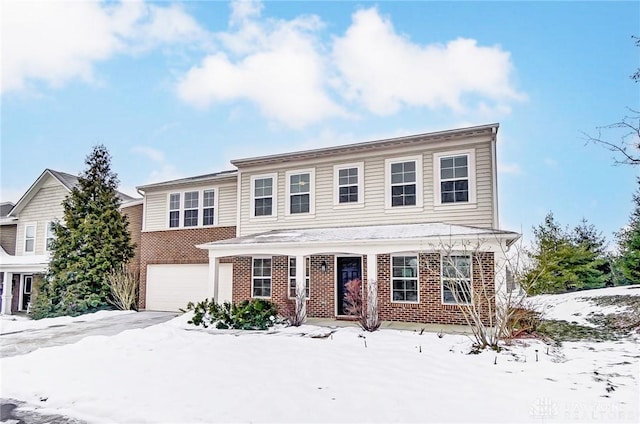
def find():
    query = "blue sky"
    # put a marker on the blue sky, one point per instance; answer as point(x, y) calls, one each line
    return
point(179, 89)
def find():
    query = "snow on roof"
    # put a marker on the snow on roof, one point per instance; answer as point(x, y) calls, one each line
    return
point(11, 260)
point(366, 233)
point(199, 178)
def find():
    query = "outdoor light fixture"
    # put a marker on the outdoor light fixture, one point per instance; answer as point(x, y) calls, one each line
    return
point(323, 266)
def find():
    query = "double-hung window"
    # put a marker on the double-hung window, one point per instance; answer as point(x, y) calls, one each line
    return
point(292, 277)
point(208, 207)
point(454, 177)
point(261, 277)
point(456, 279)
point(404, 280)
point(263, 195)
point(191, 208)
point(300, 192)
point(349, 184)
point(30, 238)
point(174, 210)
point(404, 183)
point(50, 236)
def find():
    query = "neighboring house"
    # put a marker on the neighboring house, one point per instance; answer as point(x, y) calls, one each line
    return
point(25, 232)
point(387, 210)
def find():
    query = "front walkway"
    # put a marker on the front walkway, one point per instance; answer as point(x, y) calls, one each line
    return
point(394, 325)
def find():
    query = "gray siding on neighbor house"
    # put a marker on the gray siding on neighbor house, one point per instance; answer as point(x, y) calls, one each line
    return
point(373, 212)
point(8, 238)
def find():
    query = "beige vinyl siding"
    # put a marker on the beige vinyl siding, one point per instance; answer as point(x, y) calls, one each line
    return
point(45, 206)
point(156, 216)
point(373, 212)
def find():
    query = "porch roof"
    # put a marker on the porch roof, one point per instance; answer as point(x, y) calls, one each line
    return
point(378, 238)
point(26, 263)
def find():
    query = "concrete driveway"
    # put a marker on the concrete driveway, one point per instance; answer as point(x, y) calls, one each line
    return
point(21, 342)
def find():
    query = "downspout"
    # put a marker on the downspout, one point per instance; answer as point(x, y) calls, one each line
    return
point(496, 222)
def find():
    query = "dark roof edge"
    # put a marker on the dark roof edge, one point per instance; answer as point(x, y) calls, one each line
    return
point(222, 175)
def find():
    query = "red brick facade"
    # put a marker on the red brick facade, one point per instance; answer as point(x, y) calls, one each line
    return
point(323, 287)
point(177, 247)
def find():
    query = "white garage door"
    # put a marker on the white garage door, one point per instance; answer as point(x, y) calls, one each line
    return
point(171, 287)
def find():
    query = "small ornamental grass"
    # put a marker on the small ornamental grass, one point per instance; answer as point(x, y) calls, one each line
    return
point(254, 314)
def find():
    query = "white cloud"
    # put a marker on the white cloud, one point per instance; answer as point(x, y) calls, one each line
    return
point(163, 170)
point(509, 168)
point(385, 71)
point(274, 64)
point(57, 41)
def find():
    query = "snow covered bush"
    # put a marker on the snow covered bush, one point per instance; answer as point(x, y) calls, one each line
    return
point(254, 314)
point(367, 315)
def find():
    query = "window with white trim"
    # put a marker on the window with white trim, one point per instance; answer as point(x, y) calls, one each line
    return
point(456, 279)
point(50, 236)
point(292, 277)
point(404, 278)
point(174, 210)
point(403, 184)
point(191, 208)
point(261, 277)
point(348, 185)
point(300, 192)
point(454, 179)
point(29, 238)
point(263, 194)
point(208, 207)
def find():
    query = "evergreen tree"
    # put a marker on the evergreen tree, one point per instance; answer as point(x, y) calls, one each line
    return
point(562, 261)
point(587, 237)
point(92, 240)
point(629, 243)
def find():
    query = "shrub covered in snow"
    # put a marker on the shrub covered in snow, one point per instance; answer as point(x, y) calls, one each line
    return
point(254, 314)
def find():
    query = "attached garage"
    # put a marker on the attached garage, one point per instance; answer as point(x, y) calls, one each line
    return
point(170, 287)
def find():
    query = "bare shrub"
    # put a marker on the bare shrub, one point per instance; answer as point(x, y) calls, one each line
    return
point(297, 311)
point(123, 282)
point(367, 316)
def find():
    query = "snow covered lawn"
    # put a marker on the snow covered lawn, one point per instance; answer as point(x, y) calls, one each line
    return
point(175, 373)
point(13, 323)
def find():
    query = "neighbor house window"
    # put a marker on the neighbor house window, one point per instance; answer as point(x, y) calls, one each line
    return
point(261, 277)
point(208, 207)
point(300, 192)
point(191, 209)
point(292, 277)
point(263, 195)
point(29, 238)
point(404, 278)
point(454, 179)
point(51, 236)
point(456, 279)
point(174, 210)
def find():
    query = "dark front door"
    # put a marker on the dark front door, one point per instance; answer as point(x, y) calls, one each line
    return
point(347, 269)
point(26, 291)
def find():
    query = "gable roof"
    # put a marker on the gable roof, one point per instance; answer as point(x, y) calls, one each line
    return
point(216, 176)
point(5, 208)
point(67, 180)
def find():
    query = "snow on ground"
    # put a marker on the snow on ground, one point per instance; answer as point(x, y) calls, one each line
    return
point(13, 323)
point(577, 306)
point(177, 373)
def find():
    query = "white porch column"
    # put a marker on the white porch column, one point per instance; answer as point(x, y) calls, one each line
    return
point(212, 288)
point(7, 295)
point(301, 291)
point(372, 288)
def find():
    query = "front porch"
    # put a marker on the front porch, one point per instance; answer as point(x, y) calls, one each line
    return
point(18, 275)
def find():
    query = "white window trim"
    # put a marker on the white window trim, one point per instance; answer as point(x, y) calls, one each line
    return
point(181, 226)
point(442, 256)
point(270, 277)
point(336, 185)
point(419, 206)
point(198, 208)
point(307, 278)
point(312, 193)
point(410, 302)
point(46, 236)
point(274, 198)
point(35, 238)
point(471, 169)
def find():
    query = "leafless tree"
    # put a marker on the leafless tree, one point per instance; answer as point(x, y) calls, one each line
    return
point(123, 282)
point(298, 309)
point(627, 149)
point(365, 311)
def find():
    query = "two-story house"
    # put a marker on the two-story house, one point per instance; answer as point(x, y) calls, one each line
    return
point(26, 232)
point(386, 210)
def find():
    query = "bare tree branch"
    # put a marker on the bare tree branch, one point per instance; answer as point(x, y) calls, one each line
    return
point(627, 149)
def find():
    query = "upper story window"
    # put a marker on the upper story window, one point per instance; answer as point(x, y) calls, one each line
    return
point(349, 184)
point(292, 277)
point(404, 182)
point(30, 238)
point(192, 208)
point(50, 236)
point(208, 207)
point(454, 177)
point(456, 279)
point(300, 192)
point(263, 189)
point(174, 210)
point(404, 278)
